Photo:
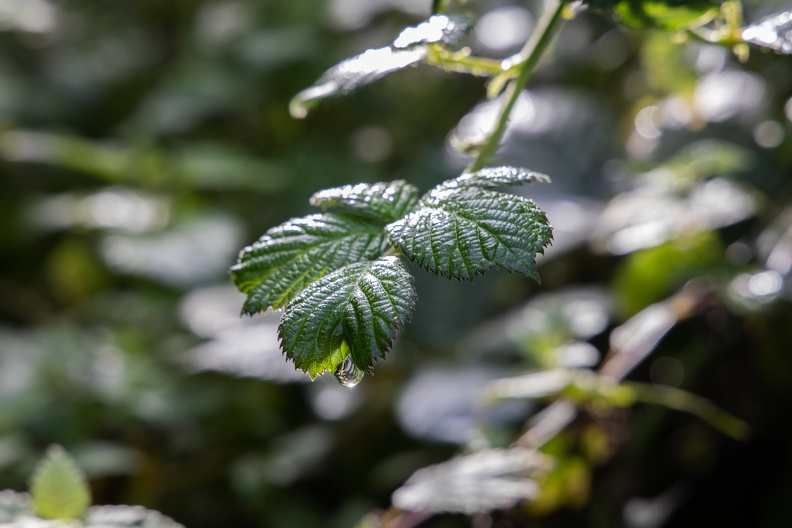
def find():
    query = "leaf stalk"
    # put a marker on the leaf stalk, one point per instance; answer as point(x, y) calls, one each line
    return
point(525, 62)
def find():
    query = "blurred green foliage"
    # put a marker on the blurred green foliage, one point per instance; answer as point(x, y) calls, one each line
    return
point(143, 143)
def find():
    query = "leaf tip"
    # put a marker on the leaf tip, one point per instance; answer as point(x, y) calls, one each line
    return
point(298, 107)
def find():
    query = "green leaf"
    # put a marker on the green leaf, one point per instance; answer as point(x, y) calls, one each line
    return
point(462, 227)
point(294, 254)
point(380, 201)
point(58, 487)
point(357, 71)
point(494, 178)
point(356, 310)
point(671, 15)
point(408, 48)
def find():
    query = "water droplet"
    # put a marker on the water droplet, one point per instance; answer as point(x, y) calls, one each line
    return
point(347, 373)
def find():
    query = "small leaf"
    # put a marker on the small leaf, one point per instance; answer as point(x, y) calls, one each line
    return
point(359, 70)
point(408, 48)
point(58, 487)
point(356, 310)
point(290, 256)
point(774, 32)
point(462, 228)
point(381, 201)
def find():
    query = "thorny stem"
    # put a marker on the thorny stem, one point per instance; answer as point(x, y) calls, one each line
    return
point(525, 63)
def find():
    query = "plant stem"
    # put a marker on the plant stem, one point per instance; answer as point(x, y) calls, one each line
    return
point(526, 62)
point(463, 62)
point(684, 401)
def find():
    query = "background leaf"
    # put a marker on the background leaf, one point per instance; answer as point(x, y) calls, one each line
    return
point(356, 310)
point(408, 48)
point(294, 254)
point(357, 71)
point(774, 32)
point(462, 228)
point(482, 481)
point(380, 201)
point(58, 487)
point(128, 517)
point(438, 28)
point(672, 15)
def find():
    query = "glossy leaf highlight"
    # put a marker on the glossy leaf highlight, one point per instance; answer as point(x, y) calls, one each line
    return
point(774, 32)
point(408, 48)
point(386, 201)
point(463, 227)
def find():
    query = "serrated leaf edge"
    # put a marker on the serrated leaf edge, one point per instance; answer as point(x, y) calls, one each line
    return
point(398, 325)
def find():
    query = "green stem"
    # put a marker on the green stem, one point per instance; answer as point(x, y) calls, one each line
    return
point(462, 62)
point(684, 401)
point(526, 62)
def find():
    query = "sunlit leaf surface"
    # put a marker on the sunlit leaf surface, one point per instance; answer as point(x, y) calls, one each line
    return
point(486, 480)
point(774, 32)
point(438, 28)
point(462, 227)
point(356, 310)
point(382, 201)
point(408, 48)
point(294, 254)
point(351, 73)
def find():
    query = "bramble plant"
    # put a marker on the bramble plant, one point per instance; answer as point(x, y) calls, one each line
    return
point(346, 294)
point(339, 275)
